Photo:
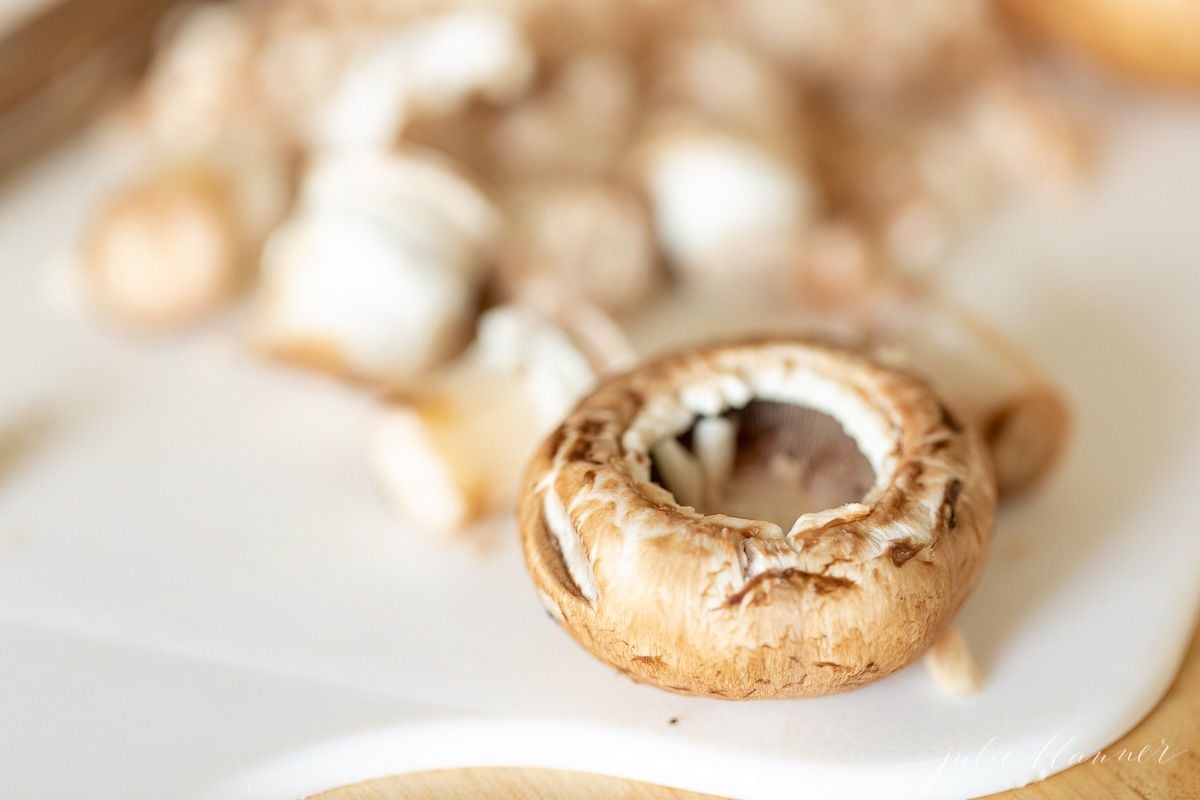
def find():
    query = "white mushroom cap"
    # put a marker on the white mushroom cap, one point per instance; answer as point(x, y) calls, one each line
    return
point(453, 451)
point(723, 203)
point(433, 66)
point(376, 275)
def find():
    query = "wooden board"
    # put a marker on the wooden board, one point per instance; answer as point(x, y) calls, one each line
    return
point(1157, 760)
point(63, 63)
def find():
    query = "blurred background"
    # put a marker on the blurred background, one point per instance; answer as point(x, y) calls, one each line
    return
point(328, 271)
point(427, 198)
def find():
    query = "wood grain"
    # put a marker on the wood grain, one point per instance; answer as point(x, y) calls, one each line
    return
point(60, 66)
point(1116, 776)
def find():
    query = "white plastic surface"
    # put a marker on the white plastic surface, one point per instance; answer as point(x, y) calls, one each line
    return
point(201, 594)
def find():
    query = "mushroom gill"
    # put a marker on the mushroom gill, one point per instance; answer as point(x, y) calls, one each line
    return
point(769, 461)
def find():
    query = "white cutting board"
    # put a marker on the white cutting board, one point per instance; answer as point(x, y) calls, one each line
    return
point(201, 594)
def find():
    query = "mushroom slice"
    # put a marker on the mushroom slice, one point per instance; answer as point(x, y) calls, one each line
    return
point(591, 235)
point(453, 451)
point(729, 605)
point(177, 244)
point(165, 251)
point(377, 273)
point(580, 123)
point(724, 205)
point(430, 67)
point(722, 80)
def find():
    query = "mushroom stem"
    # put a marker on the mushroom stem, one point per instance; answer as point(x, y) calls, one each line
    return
point(453, 452)
point(951, 665)
point(680, 471)
point(714, 440)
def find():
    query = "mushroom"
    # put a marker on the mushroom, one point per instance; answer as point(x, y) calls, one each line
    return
point(591, 236)
point(377, 273)
point(726, 206)
point(452, 452)
point(432, 66)
point(866, 47)
point(177, 244)
point(579, 124)
point(853, 524)
point(726, 83)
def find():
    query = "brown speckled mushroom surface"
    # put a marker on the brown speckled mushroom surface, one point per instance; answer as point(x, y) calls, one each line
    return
point(701, 602)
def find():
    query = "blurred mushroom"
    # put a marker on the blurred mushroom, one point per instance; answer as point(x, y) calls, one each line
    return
point(453, 452)
point(838, 265)
point(433, 66)
point(165, 251)
point(377, 273)
point(174, 246)
point(727, 84)
point(726, 207)
point(580, 123)
point(865, 46)
point(591, 236)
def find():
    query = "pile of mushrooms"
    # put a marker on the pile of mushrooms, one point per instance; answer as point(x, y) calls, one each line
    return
point(472, 209)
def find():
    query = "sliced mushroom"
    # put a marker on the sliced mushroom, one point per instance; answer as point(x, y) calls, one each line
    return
point(176, 245)
point(721, 80)
point(591, 236)
point(377, 273)
point(726, 207)
point(579, 124)
point(433, 66)
point(452, 452)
